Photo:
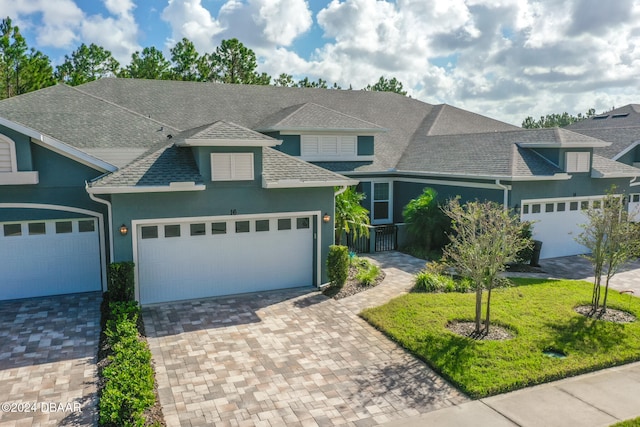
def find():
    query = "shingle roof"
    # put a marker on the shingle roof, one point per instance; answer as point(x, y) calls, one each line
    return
point(627, 116)
point(484, 154)
point(606, 168)
point(283, 170)
point(313, 116)
point(224, 131)
point(169, 164)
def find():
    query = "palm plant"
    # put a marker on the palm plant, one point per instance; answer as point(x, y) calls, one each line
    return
point(350, 216)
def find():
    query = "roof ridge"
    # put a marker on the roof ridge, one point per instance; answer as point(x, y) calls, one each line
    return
point(440, 108)
point(339, 112)
point(128, 110)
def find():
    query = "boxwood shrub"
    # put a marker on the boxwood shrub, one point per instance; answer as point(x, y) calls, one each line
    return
point(338, 265)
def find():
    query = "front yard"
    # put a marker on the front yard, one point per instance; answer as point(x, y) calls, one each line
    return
point(539, 313)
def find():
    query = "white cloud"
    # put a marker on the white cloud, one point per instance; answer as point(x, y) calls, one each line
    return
point(188, 18)
point(117, 34)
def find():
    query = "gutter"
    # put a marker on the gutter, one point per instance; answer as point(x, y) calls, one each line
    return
point(109, 216)
point(506, 189)
point(633, 182)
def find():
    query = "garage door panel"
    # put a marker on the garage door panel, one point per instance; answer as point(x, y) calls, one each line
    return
point(188, 267)
point(557, 223)
point(49, 263)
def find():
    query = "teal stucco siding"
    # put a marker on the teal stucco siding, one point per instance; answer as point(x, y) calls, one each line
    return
point(221, 199)
point(579, 185)
point(23, 148)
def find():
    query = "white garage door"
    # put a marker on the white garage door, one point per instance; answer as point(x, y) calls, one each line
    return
point(41, 258)
point(202, 258)
point(557, 223)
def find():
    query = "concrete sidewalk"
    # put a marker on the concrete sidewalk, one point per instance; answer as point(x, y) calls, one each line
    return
point(592, 400)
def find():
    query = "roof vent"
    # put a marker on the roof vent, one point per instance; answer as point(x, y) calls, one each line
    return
point(602, 116)
point(617, 116)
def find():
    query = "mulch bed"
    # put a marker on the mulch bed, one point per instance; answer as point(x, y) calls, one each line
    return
point(352, 286)
point(467, 329)
point(611, 315)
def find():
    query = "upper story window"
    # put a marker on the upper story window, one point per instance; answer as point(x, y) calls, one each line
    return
point(328, 147)
point(7, 155)
point(578, 161)
point(231, 166)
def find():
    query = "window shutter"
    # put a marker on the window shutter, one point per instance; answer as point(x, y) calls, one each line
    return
point(5, 157)
point(243, 166)
point(221, 167)
point(309, 145)
point(577, 162)
point(348, 145)
point(329, 145)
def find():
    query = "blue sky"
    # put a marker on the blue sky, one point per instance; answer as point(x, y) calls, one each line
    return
point(503, 58)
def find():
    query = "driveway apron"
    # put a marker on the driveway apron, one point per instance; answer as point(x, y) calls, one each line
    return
point(289, 357)
point(48, 352)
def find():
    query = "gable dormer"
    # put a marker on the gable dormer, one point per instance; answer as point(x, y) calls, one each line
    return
point(11, 173)
point(319, 134)
point(571, 152)
point(224, 151)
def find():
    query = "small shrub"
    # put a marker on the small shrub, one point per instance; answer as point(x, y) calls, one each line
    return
point(120, 281)
point(525, 255)
point(427, 282)
point(464, 285)
point(367, 273)
point(447, 284)
point(338, 265)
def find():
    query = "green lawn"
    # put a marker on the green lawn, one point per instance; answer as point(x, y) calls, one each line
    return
point(539, 312)
point(628, 423)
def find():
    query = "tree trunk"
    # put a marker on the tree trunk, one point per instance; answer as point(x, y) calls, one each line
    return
point(478, 330)
point(487, 318)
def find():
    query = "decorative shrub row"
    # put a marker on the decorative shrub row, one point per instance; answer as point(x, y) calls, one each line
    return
point(338, 265)
point(426, 281)
point(120, 281)
point(129, 381)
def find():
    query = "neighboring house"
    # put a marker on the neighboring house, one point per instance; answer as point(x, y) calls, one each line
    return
point(216, 189)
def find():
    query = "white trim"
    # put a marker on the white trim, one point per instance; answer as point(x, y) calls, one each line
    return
point(172, 187)
point(158, 221)
point(577, 144)
point(626, 150)
point(109, 218)
point(296, 183)
point(389, 219)
point(452, 183)
point(13, 163)
point(229, 143)
point(19, 178)
point(98, 215)
point(400, 174)
point(325, 131)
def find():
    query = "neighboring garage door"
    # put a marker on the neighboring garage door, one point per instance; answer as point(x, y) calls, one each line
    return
point(202, 258)
point(557, 223)
point(41, 258)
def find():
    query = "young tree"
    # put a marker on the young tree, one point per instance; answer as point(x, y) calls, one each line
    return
point(350, 215)
point(485, 238)
point(87, 63)
point(148, 64)
point(425, 220)
point(387, 85)
point(612, 240)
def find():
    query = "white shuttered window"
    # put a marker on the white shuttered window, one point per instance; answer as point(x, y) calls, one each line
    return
point(231, 166)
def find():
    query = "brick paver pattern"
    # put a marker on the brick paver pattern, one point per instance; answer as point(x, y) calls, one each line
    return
point(292, 358)
point(48, 352)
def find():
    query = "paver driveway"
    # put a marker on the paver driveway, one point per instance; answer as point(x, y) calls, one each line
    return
point(284, 358)
point(48, 352)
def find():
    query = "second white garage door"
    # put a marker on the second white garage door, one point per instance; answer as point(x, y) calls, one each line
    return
point(557, 223)
point(187, 259)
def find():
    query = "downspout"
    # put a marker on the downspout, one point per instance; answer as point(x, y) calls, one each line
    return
point(633, 182)
point(109, 216)
point(505, 201)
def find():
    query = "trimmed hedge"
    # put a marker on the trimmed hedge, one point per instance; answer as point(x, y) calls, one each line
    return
point(338, 265)
point(129, 380)
point(120, 281)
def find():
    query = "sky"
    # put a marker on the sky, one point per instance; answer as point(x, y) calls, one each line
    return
point(506, 59)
